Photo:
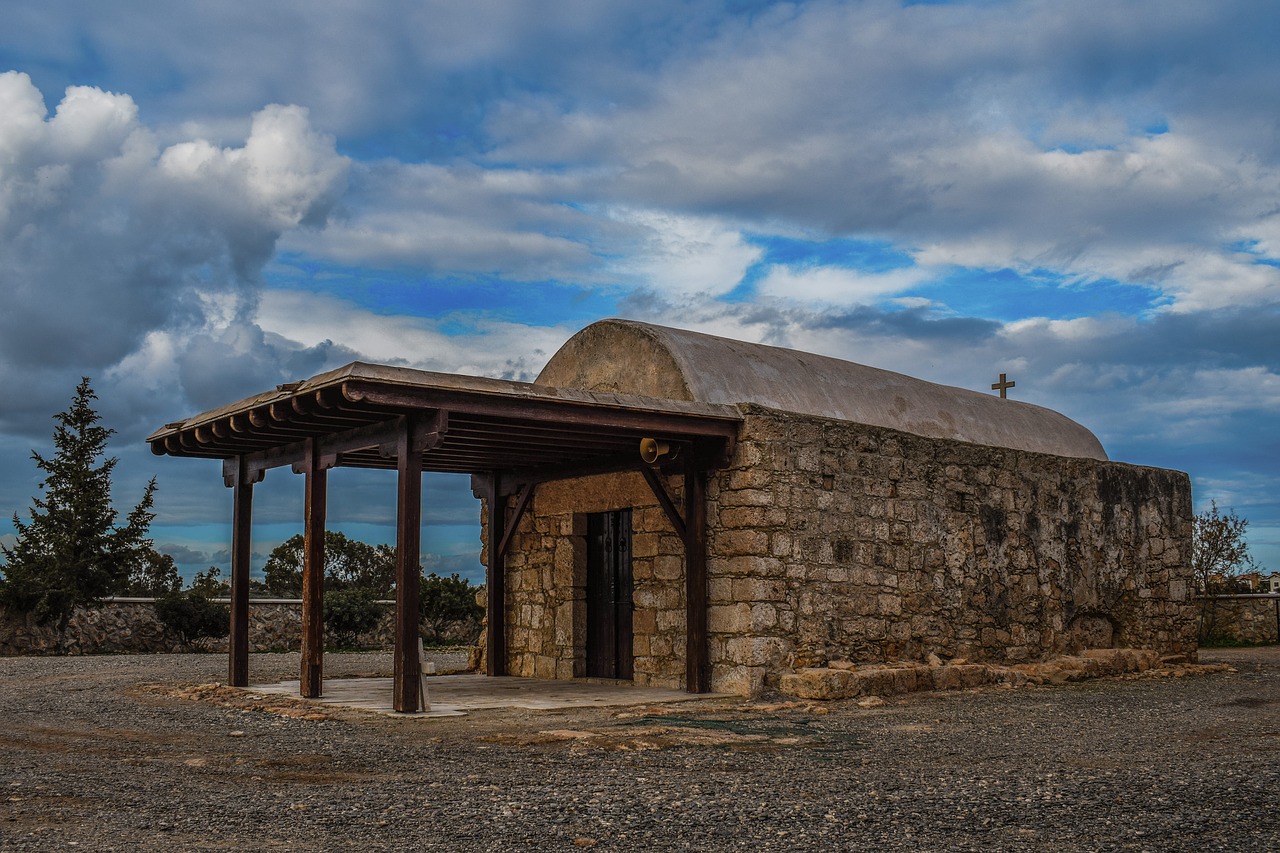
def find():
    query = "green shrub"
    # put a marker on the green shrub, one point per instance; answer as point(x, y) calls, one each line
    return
point(448, 602)
point(191, 615)
point(348, 613)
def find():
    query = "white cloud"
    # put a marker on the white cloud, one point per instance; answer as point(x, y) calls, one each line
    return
point(685, 256)
point(1156, 213)
point(1206, 282)
point(837, 285)
point(462, 221)
point(1220, 393)
point(937, 128)
point(118, 255)
point(489, 348)
point(286, 172)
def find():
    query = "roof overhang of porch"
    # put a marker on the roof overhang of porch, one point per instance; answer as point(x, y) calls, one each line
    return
point(526, 433)
point(510, 436)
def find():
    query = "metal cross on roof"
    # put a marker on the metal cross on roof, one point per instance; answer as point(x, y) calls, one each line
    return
point(1002, 386)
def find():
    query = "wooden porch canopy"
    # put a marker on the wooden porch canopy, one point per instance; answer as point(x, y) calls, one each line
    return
point(510, 436)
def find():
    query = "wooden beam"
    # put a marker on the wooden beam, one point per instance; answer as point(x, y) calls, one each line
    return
point(522, 503)
point(384, 434)
point(496, 582)
point(408, 572)
point(697, 676)
point(311, 678)
point(241, 555)
point(553, 411)
point(664, 500)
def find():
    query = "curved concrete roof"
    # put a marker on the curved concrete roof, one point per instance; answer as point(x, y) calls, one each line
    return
point(623, 356)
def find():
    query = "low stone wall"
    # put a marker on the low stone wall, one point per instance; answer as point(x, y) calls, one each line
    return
point(116, 628)
point(1244, 618)
point(846, 680)
point(130, 626)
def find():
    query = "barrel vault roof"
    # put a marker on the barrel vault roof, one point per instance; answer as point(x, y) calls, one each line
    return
point(628, 357)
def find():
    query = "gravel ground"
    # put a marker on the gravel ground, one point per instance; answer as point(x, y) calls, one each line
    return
point(93, 757)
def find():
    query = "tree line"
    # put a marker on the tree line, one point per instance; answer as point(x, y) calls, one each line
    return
point(74, 551)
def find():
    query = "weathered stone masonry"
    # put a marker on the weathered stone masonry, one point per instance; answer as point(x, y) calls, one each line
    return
point(1245, 618)
point(830, 540)
point(546, 581)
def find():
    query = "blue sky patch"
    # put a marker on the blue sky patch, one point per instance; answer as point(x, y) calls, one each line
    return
point(417, 294)
point(1007, 295)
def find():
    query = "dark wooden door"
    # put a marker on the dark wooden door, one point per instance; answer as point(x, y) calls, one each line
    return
point(609, 588)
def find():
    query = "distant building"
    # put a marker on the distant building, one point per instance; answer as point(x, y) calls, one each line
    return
point(1246, 583)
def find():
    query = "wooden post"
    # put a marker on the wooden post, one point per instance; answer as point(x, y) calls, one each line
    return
point(496, 582)
point(408, 670)
point(311, 677)
point(697, 677)
point(241, 555)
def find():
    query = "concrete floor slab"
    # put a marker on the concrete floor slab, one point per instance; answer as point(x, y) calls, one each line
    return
point(455, 695)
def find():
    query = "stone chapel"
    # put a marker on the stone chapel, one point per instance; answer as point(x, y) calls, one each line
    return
point(681, 510)
point(862, 515)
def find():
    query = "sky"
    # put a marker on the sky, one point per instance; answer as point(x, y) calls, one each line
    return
point(199, 201)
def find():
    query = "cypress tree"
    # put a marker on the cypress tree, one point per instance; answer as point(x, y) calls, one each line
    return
point(72, 552)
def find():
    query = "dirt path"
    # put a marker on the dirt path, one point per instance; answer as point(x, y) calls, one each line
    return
point(97, 753)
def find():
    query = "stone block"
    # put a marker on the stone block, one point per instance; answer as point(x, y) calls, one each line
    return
point(756, 651)
point(720, 590)
point(668, 568)
point(764, 617)
point(644, 545)
point(668, 597)
point(751, 478)
point(763, 589)
point(747, 497)
point(752, 566)
point(738, 680)
point(733, 543)
point(729, 619)
point(670, 620)
point(889, 605)
point(820, 683)
point(641, 570)
point(564, 625)
point(743, 517)
point(751, 454)
point(566, 561)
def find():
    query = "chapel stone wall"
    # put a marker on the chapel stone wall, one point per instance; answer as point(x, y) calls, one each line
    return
point(546, 581)
point(835, 541)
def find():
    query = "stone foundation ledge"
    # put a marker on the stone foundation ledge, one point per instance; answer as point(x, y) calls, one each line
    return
point(845, 680)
